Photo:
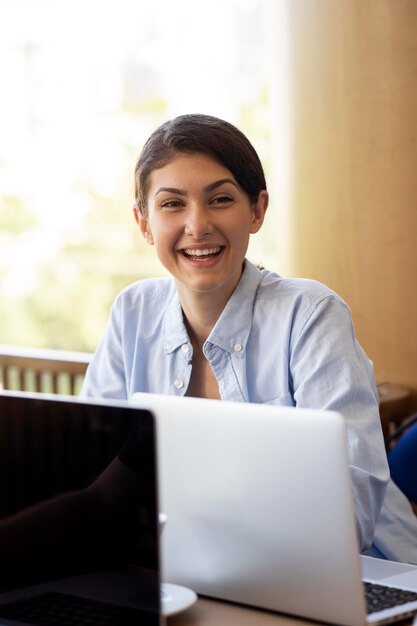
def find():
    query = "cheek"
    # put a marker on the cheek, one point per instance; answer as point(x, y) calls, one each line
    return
point(163, 235)
point(240, 230)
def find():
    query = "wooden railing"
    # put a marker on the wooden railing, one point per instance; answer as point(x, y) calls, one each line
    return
point(46, 371)
point(59, 371)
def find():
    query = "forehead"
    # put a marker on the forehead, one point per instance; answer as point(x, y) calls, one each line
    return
point(188, 171)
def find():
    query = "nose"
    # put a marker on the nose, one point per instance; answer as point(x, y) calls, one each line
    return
point(198, 222)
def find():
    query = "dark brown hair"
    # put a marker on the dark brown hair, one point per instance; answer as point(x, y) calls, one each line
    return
point(205, 134)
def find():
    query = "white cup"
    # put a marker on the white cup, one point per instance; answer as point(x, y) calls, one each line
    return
point(162, 520)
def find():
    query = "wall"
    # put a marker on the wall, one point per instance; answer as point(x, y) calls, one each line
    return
point(352, 191)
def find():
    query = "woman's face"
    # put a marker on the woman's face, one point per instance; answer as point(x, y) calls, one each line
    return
point(199, 220)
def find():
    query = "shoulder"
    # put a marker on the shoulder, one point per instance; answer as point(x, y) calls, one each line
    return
point(145, 300)
point(295, 304)
point(295, 290)
point(149, 292)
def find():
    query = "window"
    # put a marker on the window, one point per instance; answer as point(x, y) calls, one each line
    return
point(84, 83)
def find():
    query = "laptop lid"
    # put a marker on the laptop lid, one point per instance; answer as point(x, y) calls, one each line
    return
point(259, 506)
point(55, 444)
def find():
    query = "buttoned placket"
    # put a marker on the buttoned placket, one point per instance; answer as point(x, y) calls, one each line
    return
point(226, 363)
point(181, 371)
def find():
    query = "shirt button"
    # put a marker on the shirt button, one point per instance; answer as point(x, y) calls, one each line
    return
point(167, 346)
point(237, 347)
point(179, 384)
point(185, 347)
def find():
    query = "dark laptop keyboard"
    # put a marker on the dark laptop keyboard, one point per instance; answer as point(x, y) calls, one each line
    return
point(379, 597)
point(61, 609)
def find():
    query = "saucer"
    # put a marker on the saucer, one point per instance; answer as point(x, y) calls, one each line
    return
point(175, 599)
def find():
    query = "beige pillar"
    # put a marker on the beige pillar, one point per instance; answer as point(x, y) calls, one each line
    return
point(353, 166)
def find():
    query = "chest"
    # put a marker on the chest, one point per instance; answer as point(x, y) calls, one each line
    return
point(203, 383)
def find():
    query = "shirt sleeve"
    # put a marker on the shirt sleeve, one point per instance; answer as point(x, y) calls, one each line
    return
point(106, 373)
point(330, 370)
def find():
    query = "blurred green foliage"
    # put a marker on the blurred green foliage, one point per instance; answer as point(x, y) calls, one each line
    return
point(66, 306)
point(65, 299)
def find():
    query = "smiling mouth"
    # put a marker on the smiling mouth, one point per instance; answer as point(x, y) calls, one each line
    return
point(203, 253)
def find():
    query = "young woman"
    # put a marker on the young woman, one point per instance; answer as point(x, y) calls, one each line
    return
point(222, 328)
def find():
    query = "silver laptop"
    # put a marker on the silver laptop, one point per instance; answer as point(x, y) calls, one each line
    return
point(260, 510)
point(51, 444)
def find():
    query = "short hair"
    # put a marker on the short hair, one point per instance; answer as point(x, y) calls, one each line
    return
point(193, 134)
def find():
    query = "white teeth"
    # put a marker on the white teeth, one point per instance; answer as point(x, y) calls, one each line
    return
point(204, 252)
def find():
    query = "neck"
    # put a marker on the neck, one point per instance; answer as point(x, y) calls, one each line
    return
point(200, 316)
point(202, 309)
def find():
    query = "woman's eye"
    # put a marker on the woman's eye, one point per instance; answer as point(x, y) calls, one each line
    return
point(221, 200)
point(171, 204)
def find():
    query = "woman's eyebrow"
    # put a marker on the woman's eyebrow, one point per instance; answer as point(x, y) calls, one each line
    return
point(218, 183)
point(180, 192)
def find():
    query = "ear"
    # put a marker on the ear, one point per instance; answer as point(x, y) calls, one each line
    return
point(143, 224)
point(259, 210)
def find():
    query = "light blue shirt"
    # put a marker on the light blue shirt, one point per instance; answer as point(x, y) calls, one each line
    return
point(280, 341)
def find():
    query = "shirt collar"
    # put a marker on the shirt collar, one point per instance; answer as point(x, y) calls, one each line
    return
point(174, 331)
point(233, 326)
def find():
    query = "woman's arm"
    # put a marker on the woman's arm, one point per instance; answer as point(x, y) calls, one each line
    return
point(331, 371)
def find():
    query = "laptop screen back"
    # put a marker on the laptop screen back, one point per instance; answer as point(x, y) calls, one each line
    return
point(259, 505)
point(51, 445)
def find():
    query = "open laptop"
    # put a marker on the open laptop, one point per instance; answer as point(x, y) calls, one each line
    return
point(52, 444)
point(260, 510)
